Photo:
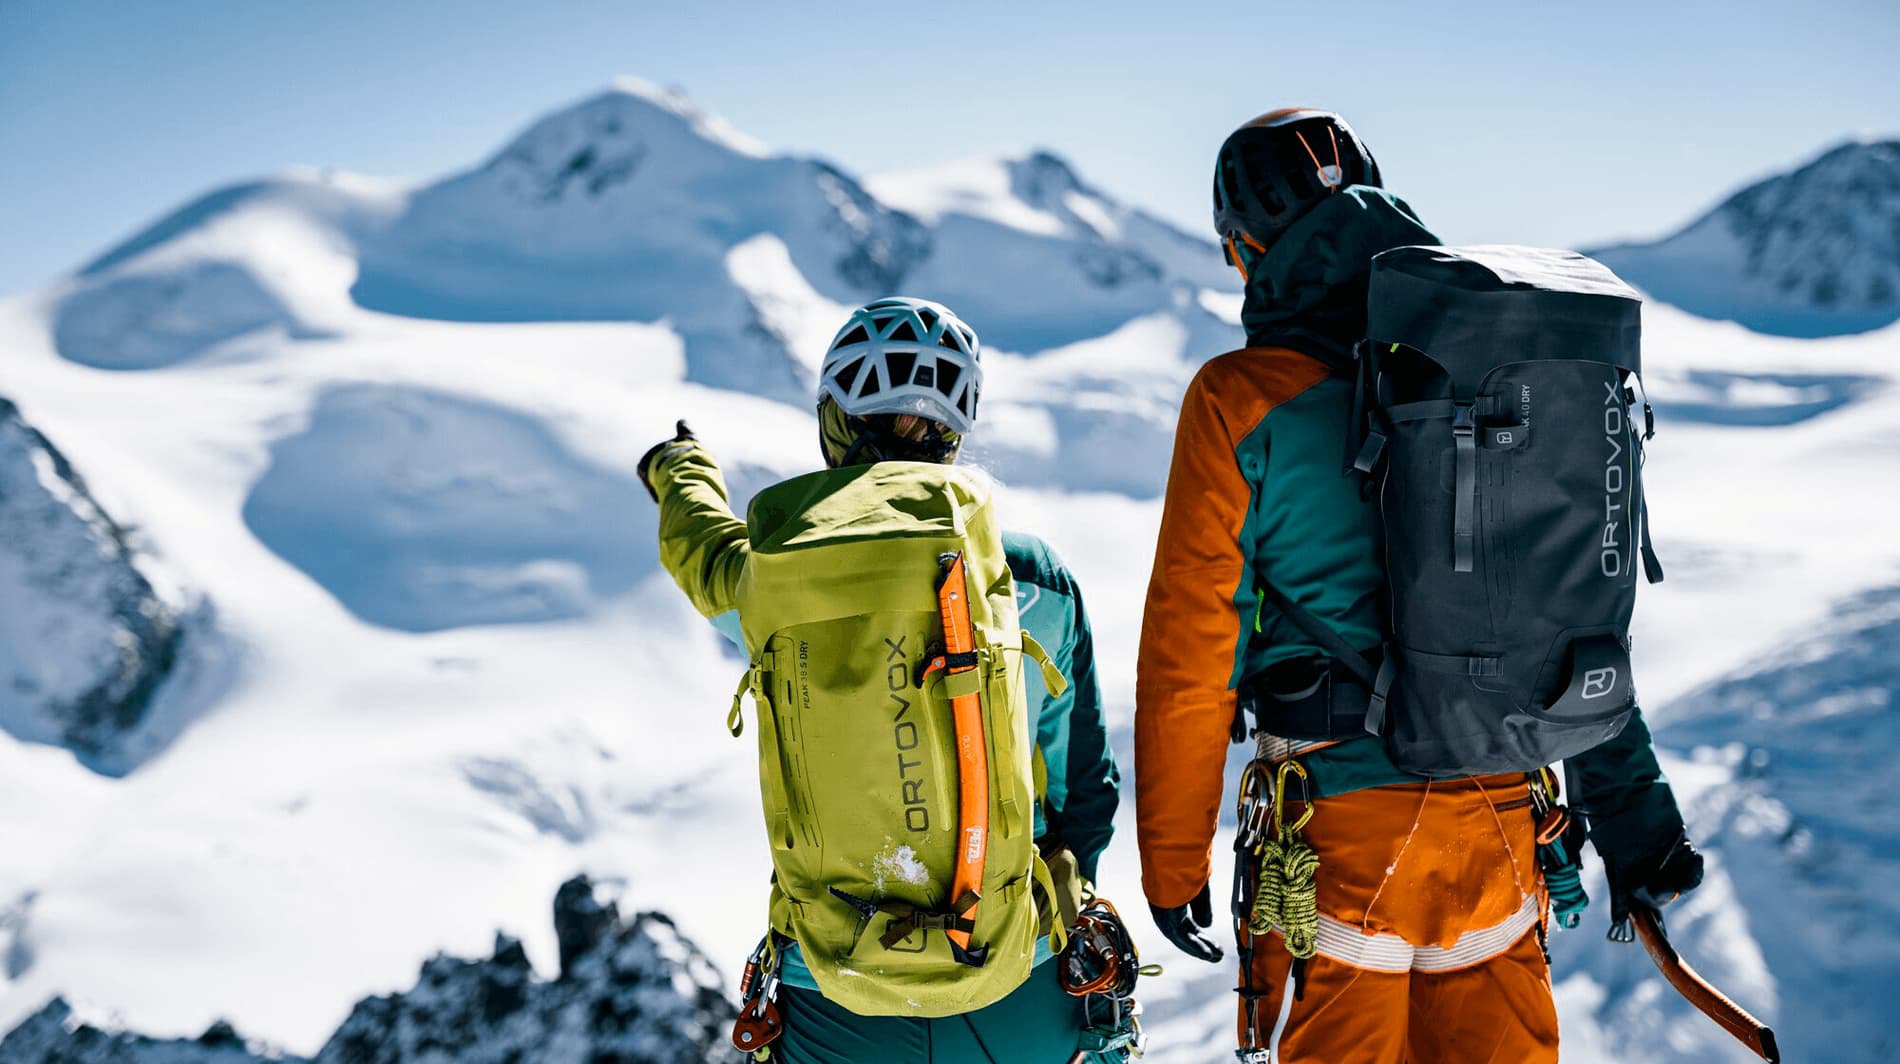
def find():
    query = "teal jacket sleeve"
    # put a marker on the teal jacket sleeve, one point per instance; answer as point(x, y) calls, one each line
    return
point(1620, 790)
point(1084, 786)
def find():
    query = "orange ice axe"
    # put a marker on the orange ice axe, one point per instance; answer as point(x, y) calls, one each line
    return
point(959, 659)
point(1714, 1004)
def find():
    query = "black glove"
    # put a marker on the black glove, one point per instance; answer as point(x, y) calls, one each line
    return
point(681, 434)
point(1651, 882)
point(1178, 925)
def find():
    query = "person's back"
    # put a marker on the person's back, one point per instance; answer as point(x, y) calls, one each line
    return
point(710, 554)
point(1384, 917)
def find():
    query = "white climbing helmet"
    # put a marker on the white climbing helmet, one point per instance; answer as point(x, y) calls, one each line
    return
point(905, 356)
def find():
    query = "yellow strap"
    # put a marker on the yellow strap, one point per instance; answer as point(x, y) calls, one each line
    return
point(1048, 913)
point(1052, 677)
point(735, 720)
point(958, 684)
point(1039, 772)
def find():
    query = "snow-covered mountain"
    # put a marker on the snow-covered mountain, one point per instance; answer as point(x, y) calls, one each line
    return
point(1812, 252)
point(383, 433)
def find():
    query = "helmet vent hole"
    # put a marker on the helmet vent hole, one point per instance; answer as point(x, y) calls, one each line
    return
point(904, 332)
point(899, 364)
point(948, 373)
point(871, 384)
point(927, 316)
point(848, 376)
point(857, 335)
point(948, 339)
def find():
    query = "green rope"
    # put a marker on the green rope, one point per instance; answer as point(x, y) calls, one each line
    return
point(1299, 919)
point(1269, 896)
point(1287, 896)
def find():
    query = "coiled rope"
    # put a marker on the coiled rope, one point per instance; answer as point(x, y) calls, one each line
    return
point(1286, 895)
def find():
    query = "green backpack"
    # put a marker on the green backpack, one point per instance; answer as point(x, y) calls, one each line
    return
point(858, 754)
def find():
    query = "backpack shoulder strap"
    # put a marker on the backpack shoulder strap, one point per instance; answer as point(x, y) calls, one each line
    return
point(1322, 633)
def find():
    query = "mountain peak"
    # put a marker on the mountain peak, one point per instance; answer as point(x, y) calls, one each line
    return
point(629, 94)
point(588, 148)
point(1041, 178)
point(1814, 251)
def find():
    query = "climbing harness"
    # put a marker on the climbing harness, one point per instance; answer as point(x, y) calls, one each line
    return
point(1559, 850)
point(760, 1023)
point(1101, 965)
point(1275, 886)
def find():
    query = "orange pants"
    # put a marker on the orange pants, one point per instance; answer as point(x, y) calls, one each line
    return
point(1431, 910)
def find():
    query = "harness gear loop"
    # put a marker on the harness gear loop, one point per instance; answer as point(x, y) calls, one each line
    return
point(1286, 894)
point(760, 1022)
point(1559, 851)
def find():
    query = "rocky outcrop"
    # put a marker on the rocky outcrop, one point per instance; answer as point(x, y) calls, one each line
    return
point(85, 641)
point(630, 991)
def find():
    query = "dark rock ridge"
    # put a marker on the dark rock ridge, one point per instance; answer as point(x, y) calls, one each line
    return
point(632, 991)
point(85, 641)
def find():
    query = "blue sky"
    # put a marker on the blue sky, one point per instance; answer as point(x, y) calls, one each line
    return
point(1528, 122)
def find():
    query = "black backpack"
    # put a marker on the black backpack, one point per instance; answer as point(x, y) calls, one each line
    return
point(1496, 422)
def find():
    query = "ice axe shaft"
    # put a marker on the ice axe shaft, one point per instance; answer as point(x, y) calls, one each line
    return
point(1714, 1004)
point(973, 773)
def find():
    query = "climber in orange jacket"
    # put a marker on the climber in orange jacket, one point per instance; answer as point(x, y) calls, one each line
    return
point(1428, 943)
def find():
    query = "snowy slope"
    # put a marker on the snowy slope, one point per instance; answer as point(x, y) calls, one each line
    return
point(451, 674)
point(1813, 252)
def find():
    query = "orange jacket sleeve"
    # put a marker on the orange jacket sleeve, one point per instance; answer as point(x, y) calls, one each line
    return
point(1192, 631)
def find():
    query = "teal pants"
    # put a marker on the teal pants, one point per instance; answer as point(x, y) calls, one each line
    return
point(1037, 1024)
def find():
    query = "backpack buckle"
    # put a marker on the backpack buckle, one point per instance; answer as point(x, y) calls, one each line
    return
point(1464, 420)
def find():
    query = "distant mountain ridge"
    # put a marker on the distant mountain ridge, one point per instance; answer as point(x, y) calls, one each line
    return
point(1812, 252)
point(634, 205)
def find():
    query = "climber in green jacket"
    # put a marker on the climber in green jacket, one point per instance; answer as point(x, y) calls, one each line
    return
point(706, 548)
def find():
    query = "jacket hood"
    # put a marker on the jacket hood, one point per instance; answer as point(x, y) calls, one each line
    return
point(1308, 292)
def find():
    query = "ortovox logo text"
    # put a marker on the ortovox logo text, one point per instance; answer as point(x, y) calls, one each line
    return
point(1599, 682)
point(904, 734)
point(1614, 481)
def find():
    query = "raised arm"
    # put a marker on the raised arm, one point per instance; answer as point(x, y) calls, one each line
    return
point(702, 544)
